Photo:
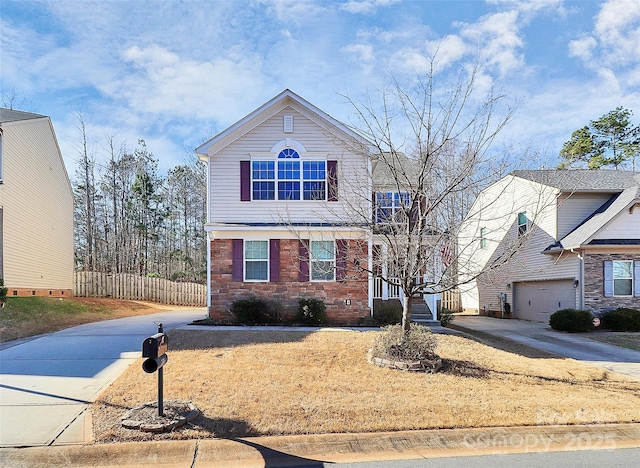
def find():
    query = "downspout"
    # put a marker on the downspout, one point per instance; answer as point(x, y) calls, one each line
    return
point(581, 280)
point(580, 288)
point(370, 236)
point(206, 159)
point(208, 237)
point(208, 273)
point(370, 269)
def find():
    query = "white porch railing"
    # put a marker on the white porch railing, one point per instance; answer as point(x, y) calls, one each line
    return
point(384, 290)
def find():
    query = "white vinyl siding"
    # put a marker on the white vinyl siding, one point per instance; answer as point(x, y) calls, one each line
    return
point(496, 210)
point(625, 226)
point(224, 173)
point(37, 208)
point(574, 208)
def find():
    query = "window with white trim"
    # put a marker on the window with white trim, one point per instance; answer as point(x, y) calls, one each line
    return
point(483, 238)
point(523, 223)
point(287, 179)
point(256, 260)
point(622, 278)
point(263, 176)
point(322, 260)
point(391, 207)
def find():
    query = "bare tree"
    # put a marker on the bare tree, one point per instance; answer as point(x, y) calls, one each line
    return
point(130, 219)
point(425, 184)
point(85, 198)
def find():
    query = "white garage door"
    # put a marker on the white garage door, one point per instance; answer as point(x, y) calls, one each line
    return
point(537, 300)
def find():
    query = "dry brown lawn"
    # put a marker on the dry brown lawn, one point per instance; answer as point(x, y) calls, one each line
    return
point(272, 383)
point(622, 339)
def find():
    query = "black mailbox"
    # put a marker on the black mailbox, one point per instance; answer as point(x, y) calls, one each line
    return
point(153, 364)
point(155, 346)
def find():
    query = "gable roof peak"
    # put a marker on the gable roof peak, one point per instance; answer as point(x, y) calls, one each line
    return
point(220, 140)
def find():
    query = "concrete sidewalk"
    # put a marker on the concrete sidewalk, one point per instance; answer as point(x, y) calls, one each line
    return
point(326, 449)
point(540, 336)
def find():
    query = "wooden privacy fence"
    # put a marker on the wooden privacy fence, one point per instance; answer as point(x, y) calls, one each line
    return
point(139, 288)
point(451, 300)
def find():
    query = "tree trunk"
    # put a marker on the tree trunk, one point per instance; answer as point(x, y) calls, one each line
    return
point(406, 312)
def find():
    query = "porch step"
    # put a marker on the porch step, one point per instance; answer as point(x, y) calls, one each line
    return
point(426, 323)
point(421, 314)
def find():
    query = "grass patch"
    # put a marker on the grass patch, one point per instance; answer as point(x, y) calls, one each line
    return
point(28, 316)
point(623, 339)
point(310, 383)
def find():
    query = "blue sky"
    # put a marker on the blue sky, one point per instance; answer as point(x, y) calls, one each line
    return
point(175, 73)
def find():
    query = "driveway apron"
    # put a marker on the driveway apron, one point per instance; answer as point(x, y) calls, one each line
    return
point(47, 383)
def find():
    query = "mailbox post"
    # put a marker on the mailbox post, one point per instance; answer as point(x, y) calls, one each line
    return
point(155, 349)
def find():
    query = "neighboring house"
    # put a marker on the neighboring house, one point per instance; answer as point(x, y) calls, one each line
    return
point(287, 185)
point(549, 240)
point(36, 208)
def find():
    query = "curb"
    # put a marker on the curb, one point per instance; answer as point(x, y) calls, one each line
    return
point(332, 448)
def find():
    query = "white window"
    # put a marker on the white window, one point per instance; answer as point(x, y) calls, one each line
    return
point(522, 223)
point(322, 260)
point(256, 260)
point(391, 207)
point(622, 278)
point(483, 238)
point(289, 178)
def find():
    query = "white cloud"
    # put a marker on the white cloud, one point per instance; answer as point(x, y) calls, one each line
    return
point(362, 52)
point(617, 29)
point(612, 50)
point(583, 48)
point(448, 50)
point(166, 84)
point(531, 6)
point(366, 6)
point(497, 37)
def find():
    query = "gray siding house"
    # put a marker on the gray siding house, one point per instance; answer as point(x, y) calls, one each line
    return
point(564, 239)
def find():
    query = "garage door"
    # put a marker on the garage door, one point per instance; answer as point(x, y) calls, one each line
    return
point(537, 300)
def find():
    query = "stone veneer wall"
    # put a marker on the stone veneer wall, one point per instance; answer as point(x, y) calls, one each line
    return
point(224, 290)
point(594, 299)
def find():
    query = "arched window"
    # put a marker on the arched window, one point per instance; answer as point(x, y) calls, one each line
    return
point(289, 178)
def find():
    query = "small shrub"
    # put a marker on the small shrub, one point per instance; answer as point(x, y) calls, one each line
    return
point(311, 312)
point(255, 311)
point(387, 313)
point(446, 317)
point(622, 319)
point(572, 320)
point(418, 344)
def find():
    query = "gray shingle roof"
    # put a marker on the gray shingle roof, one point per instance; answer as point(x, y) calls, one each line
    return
point(391, 169)
point(601, 180)
point(12, 115)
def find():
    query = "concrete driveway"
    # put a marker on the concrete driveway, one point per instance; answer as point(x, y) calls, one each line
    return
point(540, 336)
point(46, 383)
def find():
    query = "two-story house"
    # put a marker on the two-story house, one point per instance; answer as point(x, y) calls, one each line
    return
point(280, 182)
point(290, 208)
point(36, 208)
point(546, 240)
